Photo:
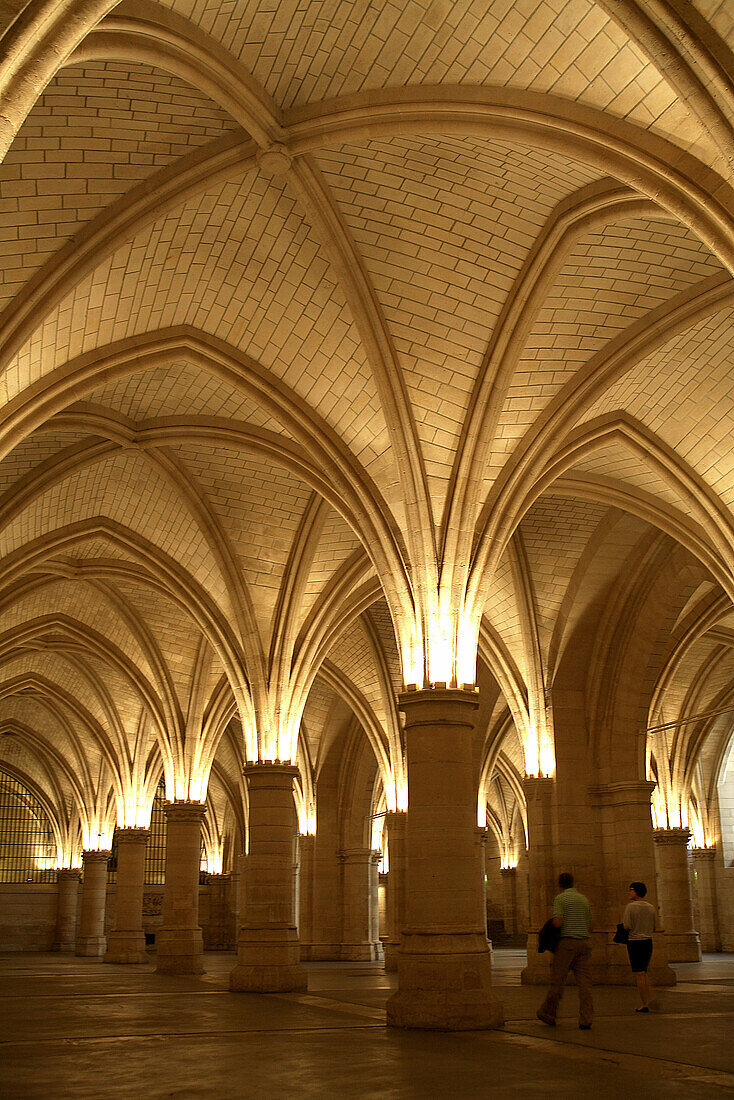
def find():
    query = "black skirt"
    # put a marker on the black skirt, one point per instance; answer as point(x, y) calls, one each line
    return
point(640, 953)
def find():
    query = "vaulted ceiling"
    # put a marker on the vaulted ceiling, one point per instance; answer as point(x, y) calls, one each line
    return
point(293, 295)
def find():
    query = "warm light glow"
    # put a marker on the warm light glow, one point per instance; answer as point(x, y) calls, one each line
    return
point(306, 819)
point(378, 826)
point(396, 795)
point(697, 835)
point(212, 862)
point(482, 810)
point(532, 757)
point(547, 756)
point(411, 654)
point(96, 837)
point(46, 863)
point(466, 649)
point(440, 651)
point(134, 813)
point(665, 813)
point(181, 789)
point(540, 757)
point(508, 861)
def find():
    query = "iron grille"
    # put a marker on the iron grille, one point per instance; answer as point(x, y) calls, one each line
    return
point(27, 847)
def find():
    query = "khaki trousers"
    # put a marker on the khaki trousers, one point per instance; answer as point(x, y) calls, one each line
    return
point(571, 955)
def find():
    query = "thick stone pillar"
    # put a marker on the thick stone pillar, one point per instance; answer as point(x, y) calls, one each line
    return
point(675, 895)
point(68, 884)
point(179, 941)
point(395, 823)
point(90, 940)
point(219, 931)
point(268, 953)
point(509, 900)
point(704, 867)
point(542, 874)
point(360, 913)
point(126, 943)
point(305, 894)
point(444, 968)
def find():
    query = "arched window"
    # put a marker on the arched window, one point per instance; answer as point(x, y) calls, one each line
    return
point(27, 847)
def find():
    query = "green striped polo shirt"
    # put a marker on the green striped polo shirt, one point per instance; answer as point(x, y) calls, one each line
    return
point(575, 913)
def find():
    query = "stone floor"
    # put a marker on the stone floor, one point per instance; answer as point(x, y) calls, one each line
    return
point(76, 1028)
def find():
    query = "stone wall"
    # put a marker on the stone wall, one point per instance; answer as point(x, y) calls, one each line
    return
point(27, 916)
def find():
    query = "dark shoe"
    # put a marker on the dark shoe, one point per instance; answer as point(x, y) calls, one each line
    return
point(545, 1018)
point(643, 1009)
point(584, 1027)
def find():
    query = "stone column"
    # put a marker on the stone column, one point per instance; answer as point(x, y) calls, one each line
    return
point(360, 913)
point(628, 855)
point(704, 866)
point(180, 942)
point(509, 900)
point(219, 932)
point(68, 884)
point(444, 968)
point(543, 878)
point(90, 940)
point(395, 823)
point(268, 953)
point(126, 943)
point(305, 895)
point(480, 840)
point(675, 895)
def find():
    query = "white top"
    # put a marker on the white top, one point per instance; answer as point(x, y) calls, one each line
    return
point(639, 917)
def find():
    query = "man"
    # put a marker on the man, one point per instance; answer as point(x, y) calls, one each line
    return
point(572, 915)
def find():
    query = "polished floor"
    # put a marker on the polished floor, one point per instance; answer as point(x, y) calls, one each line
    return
point(77, 1028)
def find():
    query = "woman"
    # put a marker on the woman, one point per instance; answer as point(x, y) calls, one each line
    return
point(639, 920)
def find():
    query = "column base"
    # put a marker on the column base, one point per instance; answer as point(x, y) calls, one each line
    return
point(268, 961)
point(179, 951)
point(391, 957)
point(609, 963)
point(90, 947)
point(445, 984)
point(361, 952)
point(683, 947)
point(126, 947)
point(322, 952)
point(66, 947)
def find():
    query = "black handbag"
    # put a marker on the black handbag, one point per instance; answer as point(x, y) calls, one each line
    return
point(622, 934)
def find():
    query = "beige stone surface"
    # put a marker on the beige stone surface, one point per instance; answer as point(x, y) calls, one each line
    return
point(352, 346)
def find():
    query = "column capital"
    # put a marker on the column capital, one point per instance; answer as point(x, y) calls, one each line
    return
point(96, 855)
point(267, 773)
point(704, 853)
point(68, 874)
point(184, 811)
point(672, 836)
point(439, 706)
point(537, 786)
point(623, 794)
point(360, 855)
point(132, 835)
point(507, 871)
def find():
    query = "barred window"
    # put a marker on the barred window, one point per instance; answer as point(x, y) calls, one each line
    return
point(27, 847)
point(155, 849)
